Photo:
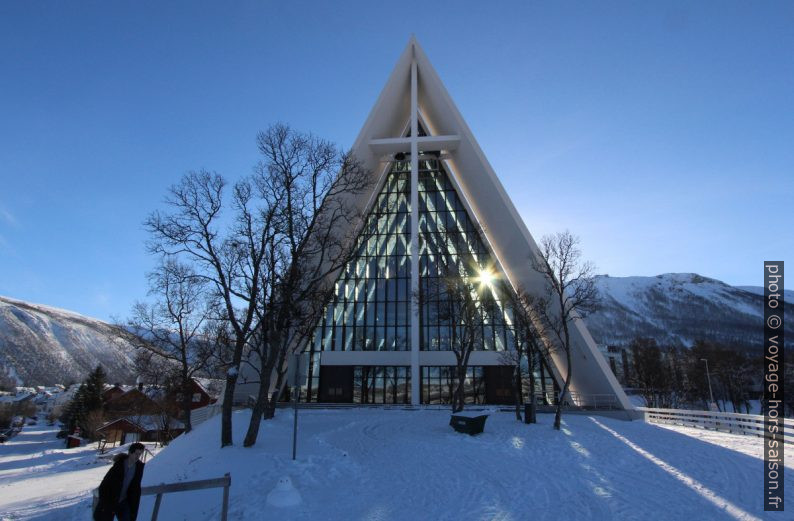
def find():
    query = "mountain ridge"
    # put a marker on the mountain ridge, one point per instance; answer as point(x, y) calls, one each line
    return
point(679, 309)
point(43, 345)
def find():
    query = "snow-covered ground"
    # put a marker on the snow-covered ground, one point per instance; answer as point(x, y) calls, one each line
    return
point(41, 479)
point(363, 464)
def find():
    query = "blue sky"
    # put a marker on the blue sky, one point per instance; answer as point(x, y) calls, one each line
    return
point(662, 134)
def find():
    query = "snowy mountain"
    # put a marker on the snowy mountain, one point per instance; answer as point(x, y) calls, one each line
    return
point(45, 346)
point(679, 308)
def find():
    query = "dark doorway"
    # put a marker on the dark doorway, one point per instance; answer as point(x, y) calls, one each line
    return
point(499, 384)
point(336, 384)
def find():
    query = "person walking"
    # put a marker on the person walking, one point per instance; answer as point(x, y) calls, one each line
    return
point(120, 490)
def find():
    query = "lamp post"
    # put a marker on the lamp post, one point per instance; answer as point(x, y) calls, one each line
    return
point(712, 405)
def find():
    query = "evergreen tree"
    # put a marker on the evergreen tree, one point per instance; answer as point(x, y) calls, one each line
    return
point(94, 385)
point(75, 410)
point(87, 400)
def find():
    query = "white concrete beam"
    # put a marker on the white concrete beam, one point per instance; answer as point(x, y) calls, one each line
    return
point(415, 398)
point(392, 145)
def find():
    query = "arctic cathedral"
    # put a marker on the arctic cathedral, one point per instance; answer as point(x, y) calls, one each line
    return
point(436, 203)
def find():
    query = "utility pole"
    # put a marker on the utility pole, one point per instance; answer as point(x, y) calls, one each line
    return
point(296, 371)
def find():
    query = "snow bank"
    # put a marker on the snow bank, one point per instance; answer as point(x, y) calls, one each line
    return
point(395, 465)
point(410, 465)
point(41, 479)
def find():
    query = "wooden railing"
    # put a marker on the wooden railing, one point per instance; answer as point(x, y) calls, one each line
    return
point(752, 424)
point(158, 490)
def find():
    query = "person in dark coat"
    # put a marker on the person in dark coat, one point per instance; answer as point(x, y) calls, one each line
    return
point(120, 490)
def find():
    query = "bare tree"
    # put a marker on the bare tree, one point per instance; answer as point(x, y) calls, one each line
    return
point(731, 374)
point(7, 381)
point(9, 410)
point(92, 421)
point(268, 261)
point(311, 187)
point(676, 358)
point(570, 294)
point(228, 254)
point(455, 301)
point(529, 348)
point(651, 372)
point(514, 359)
point(173, 327)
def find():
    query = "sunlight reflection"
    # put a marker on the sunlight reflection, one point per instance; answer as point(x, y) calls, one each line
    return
point(377, 513)
point(500, 516)
point(576, 446)
point(497, 512)
point(581, 450)
point(731, 509)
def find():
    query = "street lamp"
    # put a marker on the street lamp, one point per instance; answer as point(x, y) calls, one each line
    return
point(712, 405)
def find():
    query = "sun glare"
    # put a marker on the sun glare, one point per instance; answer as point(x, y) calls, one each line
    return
point(486, 277)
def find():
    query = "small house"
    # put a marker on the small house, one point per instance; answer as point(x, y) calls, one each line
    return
point(129, 429)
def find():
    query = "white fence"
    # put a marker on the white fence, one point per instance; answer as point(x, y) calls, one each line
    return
point(752, 424)
point(595, 401)
point(203, 414)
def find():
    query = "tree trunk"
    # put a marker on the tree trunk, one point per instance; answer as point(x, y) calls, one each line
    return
point(270, 408)
point(226, 409)
point(558, 412)
point(267, 360)
point(186, 404)
point(457, 398)
point(517, 390)
point(257, 411)
point(228, 393)
point(531, 394)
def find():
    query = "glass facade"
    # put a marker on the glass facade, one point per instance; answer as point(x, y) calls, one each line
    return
point(438, 385)
point(371, 306)
point(382, 384)
point(449, 242)
point(370, 309)
point(546, 388)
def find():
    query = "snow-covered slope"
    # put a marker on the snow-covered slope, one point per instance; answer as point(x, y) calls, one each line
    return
point(788, 294)
point(679, 308)
point(393, 465)
point(45, 345)
point(42, 480)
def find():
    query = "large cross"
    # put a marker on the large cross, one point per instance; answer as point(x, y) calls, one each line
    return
point(411, 145)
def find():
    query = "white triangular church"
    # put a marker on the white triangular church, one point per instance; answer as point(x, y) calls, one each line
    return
point(377, 345)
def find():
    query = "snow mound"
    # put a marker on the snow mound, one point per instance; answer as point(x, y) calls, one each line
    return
point(284, 495)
